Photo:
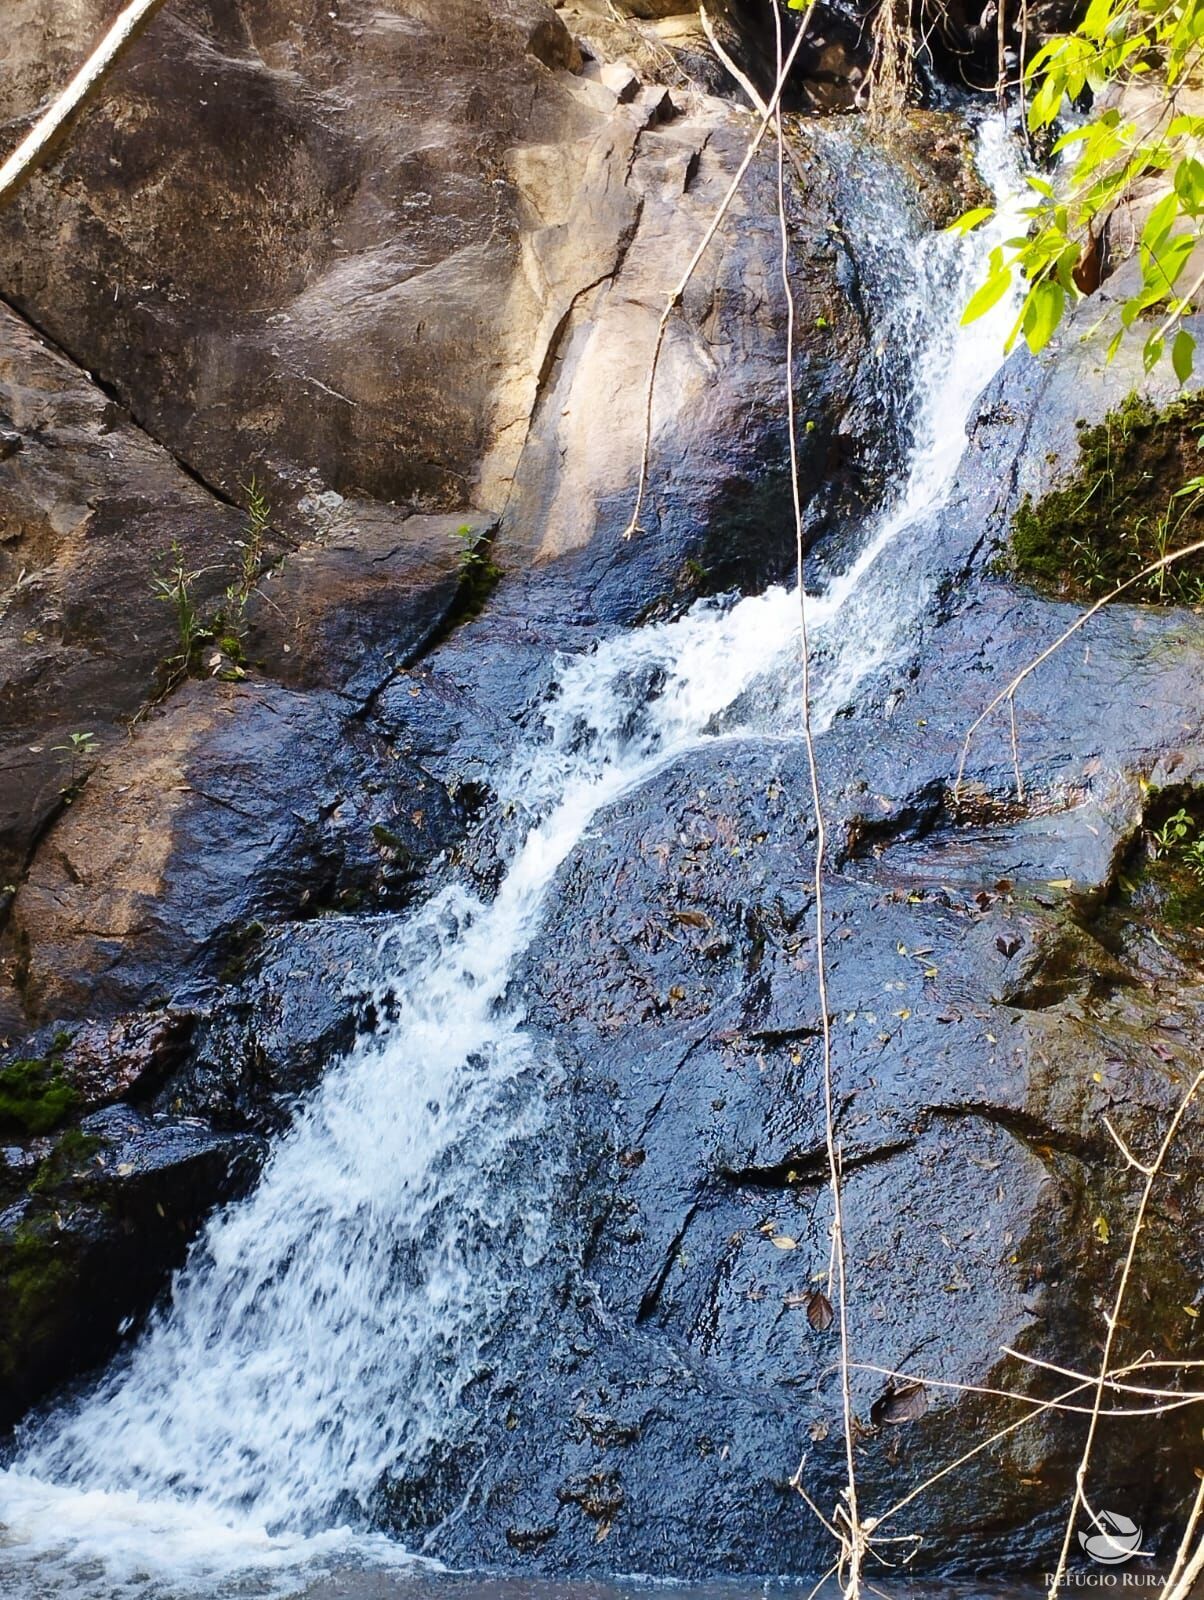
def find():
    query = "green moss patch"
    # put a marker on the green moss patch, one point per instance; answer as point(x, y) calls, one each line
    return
point(70, 1158)
point(35, 1096)
point(1135, 495)
point(1159, 890)
point(36, 1276)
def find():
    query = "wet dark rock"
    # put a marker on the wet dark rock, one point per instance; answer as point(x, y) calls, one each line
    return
point(936, 152)
point(93, 1064)
point(438, 300)
point(963, 39)
point(237, 805)
point(97, 1206)
point(677, 973)
point(996, 991)
point(262, 1042)
point(347, 612)
point(84, 1251)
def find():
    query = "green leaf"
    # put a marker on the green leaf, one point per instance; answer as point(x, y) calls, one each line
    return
point(970, 219)
point(1074, 136)
point(1046, 103)
point(1160, 221)
point(1183, 354)
point(1043, 313)
point(1189, 184)
point(990, 294)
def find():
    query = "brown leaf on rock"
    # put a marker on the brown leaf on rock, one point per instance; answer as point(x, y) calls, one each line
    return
point(692, 919)
point(898, 1403)
point(819, 1311)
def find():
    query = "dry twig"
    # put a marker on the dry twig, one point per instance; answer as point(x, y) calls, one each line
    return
point(1079, 1499)
point(847, 1514)
point(1009, 690)
point(679, 288)
point(40, 142)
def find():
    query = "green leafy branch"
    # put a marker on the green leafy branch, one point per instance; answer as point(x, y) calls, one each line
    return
point(1117, 43)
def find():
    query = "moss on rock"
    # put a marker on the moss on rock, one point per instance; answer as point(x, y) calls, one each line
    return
point(35, 1097)
point(37, 1275)
point(68, 1160)
point(1121, 509)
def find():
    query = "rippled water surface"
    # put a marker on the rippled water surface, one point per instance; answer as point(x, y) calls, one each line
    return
point(379, 1586)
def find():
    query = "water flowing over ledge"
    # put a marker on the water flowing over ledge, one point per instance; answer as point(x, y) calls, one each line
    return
point(333, 1323)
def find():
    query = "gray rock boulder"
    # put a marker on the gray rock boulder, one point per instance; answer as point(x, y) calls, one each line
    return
point(283, 259)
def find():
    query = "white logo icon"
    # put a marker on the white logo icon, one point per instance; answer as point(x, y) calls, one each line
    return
point(1114, 1538)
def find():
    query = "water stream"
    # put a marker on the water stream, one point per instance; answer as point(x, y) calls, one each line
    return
point(327, 1327)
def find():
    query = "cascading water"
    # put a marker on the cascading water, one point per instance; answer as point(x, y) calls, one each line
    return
point(328, 1327)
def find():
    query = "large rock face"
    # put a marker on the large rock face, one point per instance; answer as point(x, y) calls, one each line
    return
point(405, 264)
point(410, 255)
point(89, 510)
point(387, 309)
point(984, 1027)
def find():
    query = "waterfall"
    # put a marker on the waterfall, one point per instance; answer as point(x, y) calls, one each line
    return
point(329, 1326)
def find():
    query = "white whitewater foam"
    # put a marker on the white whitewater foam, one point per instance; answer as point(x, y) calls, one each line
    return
point(332, 1323)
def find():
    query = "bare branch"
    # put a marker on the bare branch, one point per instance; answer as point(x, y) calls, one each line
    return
point(1008, 692)
point(1173, 1399)
point(1113, 1322)
point(675, 294)
point(1130, 1158)
point(721, 54)
point(1184, 1557)
point(42, 139)
point(848, 1513)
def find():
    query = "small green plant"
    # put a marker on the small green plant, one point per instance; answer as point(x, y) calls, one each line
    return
point(1177, 827)
point(1114, 513)
point(472, 552)
point(173, 585)
point(70, 1157)
point(230, 624)
point(479, 573)
point(1193, 857)
point(225, 630)
point(1171, 887)
point(79, 747)
point(250, 566)
point(1179, 842)
point(34, 1096)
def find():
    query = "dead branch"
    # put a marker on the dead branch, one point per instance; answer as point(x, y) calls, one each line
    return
point(1009, 690)
point(43, 138)
point(675, 294)
point(1113, 1322)
point(847, 1513)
